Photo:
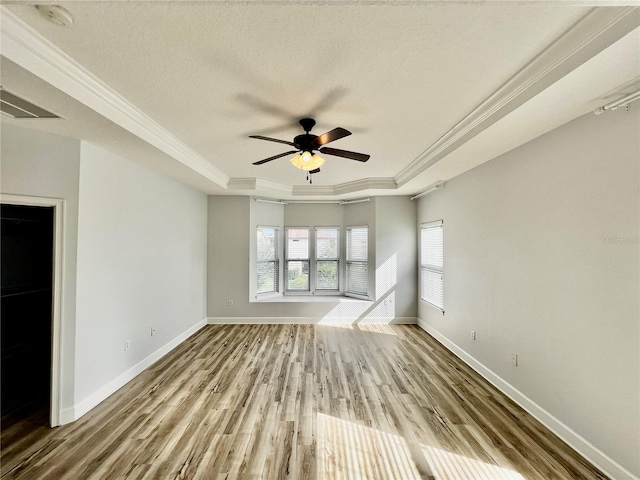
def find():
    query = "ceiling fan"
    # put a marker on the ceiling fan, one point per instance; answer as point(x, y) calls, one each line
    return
point(307, 144)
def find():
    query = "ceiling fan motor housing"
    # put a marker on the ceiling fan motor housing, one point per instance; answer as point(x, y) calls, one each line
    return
point(305, 142)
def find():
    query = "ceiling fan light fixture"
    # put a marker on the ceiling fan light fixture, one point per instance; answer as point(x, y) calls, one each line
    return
point(307, 161)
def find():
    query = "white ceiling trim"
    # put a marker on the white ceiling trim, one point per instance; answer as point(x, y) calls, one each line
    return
point(265, 185)
point(319, 190)
point(597, 30)
point(27, 48)
point(252, 183)
point(372, 183)
point(248, 183)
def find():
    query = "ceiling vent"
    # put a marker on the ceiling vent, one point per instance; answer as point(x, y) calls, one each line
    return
point(17, 107)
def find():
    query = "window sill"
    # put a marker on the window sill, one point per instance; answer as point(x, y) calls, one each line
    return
point(311, 299)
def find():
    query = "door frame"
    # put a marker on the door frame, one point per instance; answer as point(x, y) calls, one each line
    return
point(58, 205)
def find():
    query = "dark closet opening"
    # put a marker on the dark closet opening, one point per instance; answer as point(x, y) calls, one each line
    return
point(26, 311)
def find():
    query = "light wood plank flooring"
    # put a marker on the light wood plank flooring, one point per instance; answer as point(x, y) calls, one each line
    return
point(299, 402)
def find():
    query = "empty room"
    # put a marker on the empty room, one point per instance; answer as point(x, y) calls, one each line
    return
point(331, 239)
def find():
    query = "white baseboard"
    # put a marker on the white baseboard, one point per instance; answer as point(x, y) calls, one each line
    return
point(309, 320)
point(596, 456)
point(69, 415)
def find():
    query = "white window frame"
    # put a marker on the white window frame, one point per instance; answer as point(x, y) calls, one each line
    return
point(430, 269)
point(356, 261)
point(287, 291)
point(314, 266)
point(275, 261)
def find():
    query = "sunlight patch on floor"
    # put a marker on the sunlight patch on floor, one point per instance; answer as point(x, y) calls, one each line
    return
point(377, 328)
point(450, 466)
point(373, 327)
point(351, 451)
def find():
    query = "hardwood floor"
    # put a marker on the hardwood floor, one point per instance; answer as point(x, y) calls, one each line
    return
point(300, 402)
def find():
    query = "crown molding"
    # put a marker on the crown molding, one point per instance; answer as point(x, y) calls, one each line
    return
point(30, 50)
point(264, 185)
point(312, 190)
point(252, 183)
point(248, 183)
point(594, 32)
point(371, 183)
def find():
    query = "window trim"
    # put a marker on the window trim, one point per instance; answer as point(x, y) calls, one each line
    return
point(431, 268)
point(347, 262)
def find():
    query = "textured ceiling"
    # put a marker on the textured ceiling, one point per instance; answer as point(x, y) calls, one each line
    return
point(398, 76)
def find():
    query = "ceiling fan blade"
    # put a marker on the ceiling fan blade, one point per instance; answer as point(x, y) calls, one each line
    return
point(315, 170)
point(260, 137)
point(260, 162)
point(330, 136)
point(360, 157)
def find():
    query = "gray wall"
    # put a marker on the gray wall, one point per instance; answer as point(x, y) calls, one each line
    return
point(45, 165)
point(396, 255)
point(541, 259)
point(231, 259)
point(134, 257)
point(141, 262)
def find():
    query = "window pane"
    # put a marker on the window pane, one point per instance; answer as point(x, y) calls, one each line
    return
point(327, 275)
point(267, 273)
point(432, 288)
point(267, 277)
point(357, 256)
point(298, 275)
point(357, 278)
point(431, 246)
point(298, 243)
point(327, 243)
point(357, 243)
point(267, 243)
point(432, 259)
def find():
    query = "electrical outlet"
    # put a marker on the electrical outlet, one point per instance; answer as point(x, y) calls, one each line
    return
point(473, 334)
point(127, 344)
point(230, 303)
point(514, 359)
point(153, 331)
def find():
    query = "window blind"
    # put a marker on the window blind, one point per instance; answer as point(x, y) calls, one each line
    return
point(432, 264)
point(357, 260)
point(267, 260)
point(327, 258)
point(297, 259)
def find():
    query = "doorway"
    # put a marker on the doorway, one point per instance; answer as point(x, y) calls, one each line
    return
point(26, 304)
